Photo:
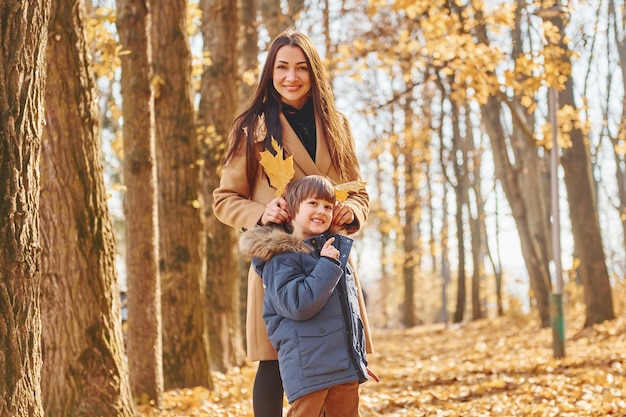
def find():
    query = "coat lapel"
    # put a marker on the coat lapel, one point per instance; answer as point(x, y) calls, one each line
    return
point(301, 158)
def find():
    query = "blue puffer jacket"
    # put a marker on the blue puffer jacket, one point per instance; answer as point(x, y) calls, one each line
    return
point(311, 309)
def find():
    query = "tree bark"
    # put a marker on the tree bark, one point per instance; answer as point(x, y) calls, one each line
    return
point(524, 180)
point(218, 105)
point(272, 17)
point(477, 219)
point(140, 177)
point(22, 82)
point(581, 195)
point(249, 46)
point(181, 237)
point(84, 370)
point(459, 162)
point(524, 200)
point(619, 141)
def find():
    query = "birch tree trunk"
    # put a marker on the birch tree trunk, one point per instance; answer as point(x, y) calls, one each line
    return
point(22, 81)
point(84, 370)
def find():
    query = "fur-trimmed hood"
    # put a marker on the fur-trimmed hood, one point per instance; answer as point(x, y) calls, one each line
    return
point(263, 242)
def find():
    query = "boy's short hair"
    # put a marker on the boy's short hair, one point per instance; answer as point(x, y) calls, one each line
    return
point(311, 186)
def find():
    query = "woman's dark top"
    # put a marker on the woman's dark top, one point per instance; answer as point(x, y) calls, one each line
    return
point(302, 121)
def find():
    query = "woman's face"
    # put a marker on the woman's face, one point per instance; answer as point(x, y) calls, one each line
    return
point(291, 76)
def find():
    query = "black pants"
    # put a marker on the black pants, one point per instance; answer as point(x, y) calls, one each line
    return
point(267, 393)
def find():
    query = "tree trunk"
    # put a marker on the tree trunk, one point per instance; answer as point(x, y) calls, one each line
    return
point(410, 251)
point(380, 217)
point(461, 292)
point(249, 64)
point(140, 177)
point(494, 255)
point(84, 371)
point(272, 16)
point(22, 80)
point(516, 182)
point(524, 181)
point(477, 219)
point(459, 161)
point(619, 141)
point(218, 105)
point(181, 237)
point(445, 261)
point(588, 244)
point(249, 59)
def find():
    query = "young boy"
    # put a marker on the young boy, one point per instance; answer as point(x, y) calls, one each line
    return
point(311, 308)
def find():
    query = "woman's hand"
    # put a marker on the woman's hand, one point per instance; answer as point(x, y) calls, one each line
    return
point(275, 212)
point(342, 214)
point(328, 250)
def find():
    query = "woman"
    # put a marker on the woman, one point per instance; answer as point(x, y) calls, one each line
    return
point(294, 105)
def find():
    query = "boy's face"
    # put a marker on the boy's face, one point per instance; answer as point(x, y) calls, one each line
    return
point(313, 218)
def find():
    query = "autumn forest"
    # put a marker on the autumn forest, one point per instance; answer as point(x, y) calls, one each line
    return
point(491, 136)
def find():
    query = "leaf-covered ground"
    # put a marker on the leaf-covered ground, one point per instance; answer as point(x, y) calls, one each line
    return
point(491, 367)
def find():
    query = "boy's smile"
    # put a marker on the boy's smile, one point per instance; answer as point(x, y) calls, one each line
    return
point(313, 218)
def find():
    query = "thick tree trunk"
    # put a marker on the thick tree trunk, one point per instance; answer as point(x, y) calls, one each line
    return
point(273, 18)
point(22, 80)
point(140, 177)
point(218, 106)
point(249, 41)
point(84, 371)
point(585, 224)
point(181, 237)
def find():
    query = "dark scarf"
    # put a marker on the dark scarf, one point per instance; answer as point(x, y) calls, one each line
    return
point(302, 121)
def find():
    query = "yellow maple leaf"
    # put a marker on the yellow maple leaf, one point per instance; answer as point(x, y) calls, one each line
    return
point(343, 190)
point(278, 169)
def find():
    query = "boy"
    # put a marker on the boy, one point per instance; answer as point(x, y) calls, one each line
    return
point(311, 308)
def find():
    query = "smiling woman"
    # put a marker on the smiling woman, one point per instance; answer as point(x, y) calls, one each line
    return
point(291, 76)
point(293, 107)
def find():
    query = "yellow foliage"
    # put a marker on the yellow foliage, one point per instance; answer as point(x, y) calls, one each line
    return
point(343, 190)
point(100, 28)
point(279, 170)
point(194, 18)
point(499, 366)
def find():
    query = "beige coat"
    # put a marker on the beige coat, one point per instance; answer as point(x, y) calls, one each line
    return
point(240, 205)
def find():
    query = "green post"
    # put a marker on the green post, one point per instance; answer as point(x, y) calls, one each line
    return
point(558, 328)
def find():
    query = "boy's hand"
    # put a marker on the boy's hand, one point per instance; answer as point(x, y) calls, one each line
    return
point(329, 250)
point(373, 375)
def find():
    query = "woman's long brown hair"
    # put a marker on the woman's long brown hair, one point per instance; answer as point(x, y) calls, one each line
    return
point(267, 102)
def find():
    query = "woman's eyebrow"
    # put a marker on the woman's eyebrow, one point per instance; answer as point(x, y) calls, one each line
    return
point(280, 61)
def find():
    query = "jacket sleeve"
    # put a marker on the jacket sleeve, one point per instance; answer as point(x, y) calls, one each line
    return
point(358, 202)
point(231, 199)
point(292, 293)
